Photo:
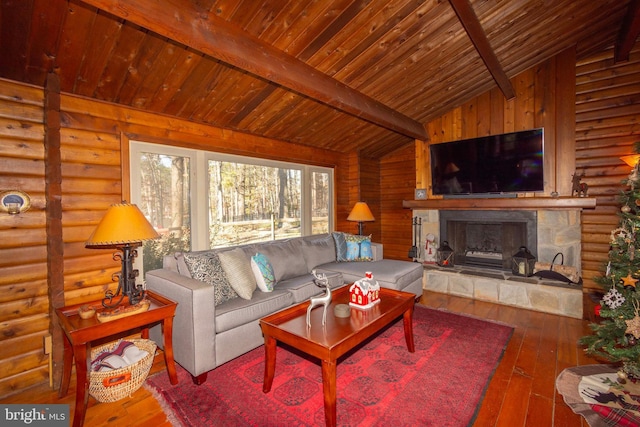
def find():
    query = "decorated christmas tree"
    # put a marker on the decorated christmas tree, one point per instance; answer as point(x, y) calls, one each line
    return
point(616, 338)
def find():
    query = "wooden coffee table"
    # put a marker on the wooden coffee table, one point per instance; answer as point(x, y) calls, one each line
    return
point(335, 338)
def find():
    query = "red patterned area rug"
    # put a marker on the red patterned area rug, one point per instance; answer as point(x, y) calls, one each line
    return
point(378, 384)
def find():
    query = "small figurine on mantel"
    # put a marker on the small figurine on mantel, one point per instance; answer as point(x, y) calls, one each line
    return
point(579, 188)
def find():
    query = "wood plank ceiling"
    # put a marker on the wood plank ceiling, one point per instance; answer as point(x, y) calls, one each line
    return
point(343, 75)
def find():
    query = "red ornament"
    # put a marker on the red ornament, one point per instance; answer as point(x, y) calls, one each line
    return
point(596, 309)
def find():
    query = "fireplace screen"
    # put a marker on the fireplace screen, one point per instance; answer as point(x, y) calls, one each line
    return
point(483, 243)
point(488, 238)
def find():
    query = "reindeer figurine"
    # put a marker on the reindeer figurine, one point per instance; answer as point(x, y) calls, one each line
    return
point(579, 188)
point(322, 281)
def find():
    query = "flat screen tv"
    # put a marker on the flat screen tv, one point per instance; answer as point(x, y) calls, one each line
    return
point(503, 164)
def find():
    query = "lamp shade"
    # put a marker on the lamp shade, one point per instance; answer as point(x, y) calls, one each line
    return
point(360, 213)
point(123, 224)
point(631, 159)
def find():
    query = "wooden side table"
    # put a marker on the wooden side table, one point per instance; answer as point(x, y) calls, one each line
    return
point(79, 333)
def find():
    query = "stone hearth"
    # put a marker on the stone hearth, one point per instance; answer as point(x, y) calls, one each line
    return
point(557, 231)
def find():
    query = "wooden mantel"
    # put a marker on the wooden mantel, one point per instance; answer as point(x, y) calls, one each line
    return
point(530, 203)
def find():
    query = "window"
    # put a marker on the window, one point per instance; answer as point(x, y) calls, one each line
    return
point(247, 199)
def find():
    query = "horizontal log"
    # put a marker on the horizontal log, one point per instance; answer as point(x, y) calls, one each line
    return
point(25, 326)
point(595, 247)
point(24, 361)
point(25, 237)
point(90, 185)
point(89, 202)
point(90, 155)
point(18, 273)
point(91, 278)
point(23, 290)
point(21, 129)
point(22, 167)
point(71, 138)
point(21, 149)
point(87, 294)
point(21, 308)
point(24, 380)
point(75, 219)
point(31, 220)
point(25, 94)
point(106, 172)
point(598, 257)
point(21, 111)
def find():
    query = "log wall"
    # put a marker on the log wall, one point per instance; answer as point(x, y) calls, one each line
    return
point(93, 143)
point(607, 115)
point(24, 301)
point(398, 178)
point(542, 100)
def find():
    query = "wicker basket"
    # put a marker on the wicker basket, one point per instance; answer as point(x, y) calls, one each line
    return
point(109, 386)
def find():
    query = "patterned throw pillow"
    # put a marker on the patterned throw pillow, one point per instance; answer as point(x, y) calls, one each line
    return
point(341, 246)
point(359, 248)
point(263, 271)
point(207, 268)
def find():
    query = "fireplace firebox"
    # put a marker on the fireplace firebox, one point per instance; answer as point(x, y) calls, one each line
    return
point(488, 239)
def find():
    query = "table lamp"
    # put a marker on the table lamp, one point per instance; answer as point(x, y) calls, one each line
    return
point(360, 213)
point(123, 227)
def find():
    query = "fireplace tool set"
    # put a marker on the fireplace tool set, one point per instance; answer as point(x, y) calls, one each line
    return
point(414, 252)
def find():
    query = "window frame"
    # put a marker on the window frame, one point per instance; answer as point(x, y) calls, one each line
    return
point(199, 184)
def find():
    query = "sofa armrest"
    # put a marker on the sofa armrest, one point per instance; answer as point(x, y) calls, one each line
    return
point(194, 324)
point(376, 248)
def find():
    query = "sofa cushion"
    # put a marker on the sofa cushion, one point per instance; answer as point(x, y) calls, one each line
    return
point(206, 267)
point(237, 312)
point(263, 272)
point(237, 267)
point(285, 257)
point(358, 248)
point(390, 273)
point(341, 246)
point(318, 251)
point(303, 287)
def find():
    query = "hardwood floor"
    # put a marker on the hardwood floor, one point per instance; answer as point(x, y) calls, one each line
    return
point(521, 393)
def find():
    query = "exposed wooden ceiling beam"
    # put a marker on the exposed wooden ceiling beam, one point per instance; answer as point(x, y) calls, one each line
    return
point(628, 32)
point(180, 21)
point(471, 24)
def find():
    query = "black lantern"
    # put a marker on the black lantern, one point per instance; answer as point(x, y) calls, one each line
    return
point(445, 255)
point(523, 262)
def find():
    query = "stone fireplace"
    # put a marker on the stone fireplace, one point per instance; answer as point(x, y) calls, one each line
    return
point(484, 241)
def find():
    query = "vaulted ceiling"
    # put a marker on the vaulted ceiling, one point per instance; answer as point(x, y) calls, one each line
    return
point(338, 74)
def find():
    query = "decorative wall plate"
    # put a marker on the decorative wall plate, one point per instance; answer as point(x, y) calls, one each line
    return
point(14, 201)
point(421, 193)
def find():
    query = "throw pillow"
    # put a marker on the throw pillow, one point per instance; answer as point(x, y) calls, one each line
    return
point(359, 248)
point(207, 268)
point(319, 251)
point(237, 267)
point(181, 264)
point(263, 272)
point(286, 258)
point(341, 246)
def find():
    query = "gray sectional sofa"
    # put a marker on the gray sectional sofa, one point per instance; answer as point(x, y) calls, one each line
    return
point(213, 325)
